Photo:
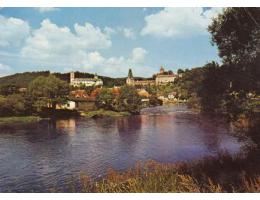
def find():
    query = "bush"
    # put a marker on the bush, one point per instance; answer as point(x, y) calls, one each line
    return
point(14, 104)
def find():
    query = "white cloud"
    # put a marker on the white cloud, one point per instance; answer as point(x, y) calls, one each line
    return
point(78, 49)
point(46, 9)
point(51, 41)
point(13, 31)
point(179, 22)
point(116, 66)
point(128, 33)
point(92, 37)
point(109, 30)
point(95, 58)
point(138, 55)
point(4, 69)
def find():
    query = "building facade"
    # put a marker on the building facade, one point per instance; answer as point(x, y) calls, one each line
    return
point(132, 82)
point(85, 81)
point(163, 77)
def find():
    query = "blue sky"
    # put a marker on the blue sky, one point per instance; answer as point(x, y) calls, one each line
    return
point(107, 41)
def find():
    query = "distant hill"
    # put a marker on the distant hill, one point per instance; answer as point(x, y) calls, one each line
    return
point(23, 79)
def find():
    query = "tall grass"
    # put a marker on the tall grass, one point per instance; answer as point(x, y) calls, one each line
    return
point(222, 174)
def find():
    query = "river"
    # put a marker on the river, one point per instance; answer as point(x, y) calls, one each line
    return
point(47, 154)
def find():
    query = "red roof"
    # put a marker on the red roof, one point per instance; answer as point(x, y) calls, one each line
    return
point(116, 90)
point(95, 92)
point(79, 94)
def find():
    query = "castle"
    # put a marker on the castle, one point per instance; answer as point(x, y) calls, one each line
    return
point(85, 81)
point(163, 77)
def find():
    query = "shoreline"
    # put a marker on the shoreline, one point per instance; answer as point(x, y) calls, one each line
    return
point(22, 120)
point(200, 175)
point(18, 120)
point(103, 113)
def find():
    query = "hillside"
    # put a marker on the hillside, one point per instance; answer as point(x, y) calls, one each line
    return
point(23, 79)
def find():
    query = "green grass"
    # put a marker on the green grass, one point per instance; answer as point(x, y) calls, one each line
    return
point(104, 113)
point(18, 120)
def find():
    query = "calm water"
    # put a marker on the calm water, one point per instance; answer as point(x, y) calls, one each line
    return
point(37, 157)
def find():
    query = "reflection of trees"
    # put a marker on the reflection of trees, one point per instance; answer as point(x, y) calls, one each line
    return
point(129, 125)
point(104, 125)
point(129, 133)
point(210, 132)
point(128, 130)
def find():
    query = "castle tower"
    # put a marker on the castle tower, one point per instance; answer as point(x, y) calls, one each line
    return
point(130, 78)
point(95, 76)
point(72, 77)
point(161, 70)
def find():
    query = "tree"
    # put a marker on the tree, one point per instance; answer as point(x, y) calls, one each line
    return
point(105, 99)
point(130, 73)
point(7, 89)
point(48, 91)
point(13, 105)
point(212, 87)
point(180, 71)
point(128, 100)
point(236, 32)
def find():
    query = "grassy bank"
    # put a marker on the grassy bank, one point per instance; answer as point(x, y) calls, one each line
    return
point(223, 173)
point(104, 113)
point(18, 120)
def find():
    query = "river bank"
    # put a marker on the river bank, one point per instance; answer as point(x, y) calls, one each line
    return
point(21, 120)
point(104, 113)
point(17, 120)
point(224, 173)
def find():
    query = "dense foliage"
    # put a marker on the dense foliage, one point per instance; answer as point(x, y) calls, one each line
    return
point(48, 91)
point(42, 92)
point(127, 100)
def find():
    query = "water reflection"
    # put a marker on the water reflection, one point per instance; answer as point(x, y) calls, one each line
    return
point(52, 151)
point(105, 125)
point(129, 125)
point(69, 125)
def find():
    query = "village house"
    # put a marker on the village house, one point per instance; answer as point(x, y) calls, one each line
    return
point(80, 100)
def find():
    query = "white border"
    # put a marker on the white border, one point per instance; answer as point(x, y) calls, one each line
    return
point(135, 196)
point(129, 3)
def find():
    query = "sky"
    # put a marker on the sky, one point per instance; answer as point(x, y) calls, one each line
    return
point(106, 41)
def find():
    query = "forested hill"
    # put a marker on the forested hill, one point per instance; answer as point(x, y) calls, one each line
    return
point(23, 79)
